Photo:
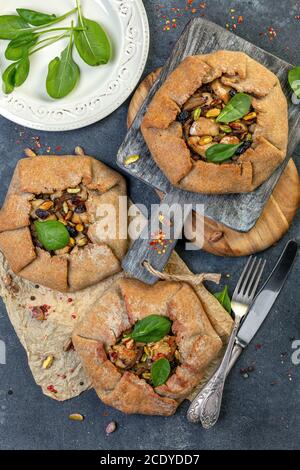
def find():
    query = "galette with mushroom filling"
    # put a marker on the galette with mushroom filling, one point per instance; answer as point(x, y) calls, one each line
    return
point(145, 348)
point(51, 219)
point(218, 124)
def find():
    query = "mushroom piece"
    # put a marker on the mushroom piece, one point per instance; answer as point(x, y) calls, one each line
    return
point(204, 126)
point(195, 101)
point(230, 139)
point(222, 91)
point(194, 143)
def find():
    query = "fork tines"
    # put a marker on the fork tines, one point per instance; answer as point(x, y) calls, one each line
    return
point(249, 279)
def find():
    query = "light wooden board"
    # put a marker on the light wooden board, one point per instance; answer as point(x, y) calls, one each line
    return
point(271, 225)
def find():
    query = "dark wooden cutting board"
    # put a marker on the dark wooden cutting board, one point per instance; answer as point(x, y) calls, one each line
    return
point(237, 211)
point(273, 222)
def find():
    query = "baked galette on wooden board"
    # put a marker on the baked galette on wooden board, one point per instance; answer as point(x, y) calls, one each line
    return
point(49, 222)
point(146, 348)
point(218, 124)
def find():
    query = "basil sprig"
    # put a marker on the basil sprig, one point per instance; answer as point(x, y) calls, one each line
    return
point(151, 329)
point(224, 299)
point(236, 108)
point(219, 153)
point(160, 372)
point(52, 234)
point(294, 80)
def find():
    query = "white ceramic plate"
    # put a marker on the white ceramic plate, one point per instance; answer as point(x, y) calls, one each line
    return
point(102, 89)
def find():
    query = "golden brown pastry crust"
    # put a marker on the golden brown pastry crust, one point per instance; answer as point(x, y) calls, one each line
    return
point(82, 267)
point(119, 309)
point(164, 136)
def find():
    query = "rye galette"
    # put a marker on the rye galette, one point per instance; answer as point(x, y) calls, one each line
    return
point(49, 222)
point(218, 124)
point(144, 347)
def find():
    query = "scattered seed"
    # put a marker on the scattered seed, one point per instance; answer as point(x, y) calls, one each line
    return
point(131, 159)
point(79, 151)
point(29, 153)
point(111, 427)
point(65, 207)
point(48, 362)
point(76, 417)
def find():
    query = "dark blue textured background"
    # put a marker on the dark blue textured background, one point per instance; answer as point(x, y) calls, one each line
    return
point(262, 411)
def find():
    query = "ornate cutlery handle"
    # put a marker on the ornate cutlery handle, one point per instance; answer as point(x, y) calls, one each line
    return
point(207, 404)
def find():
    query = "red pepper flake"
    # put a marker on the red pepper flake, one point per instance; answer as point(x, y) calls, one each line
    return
point(58, 148)
point(51, 389)
point(70, 300)
point(272, 33)
point(74, 316)
point(258, 346)
point(297, 17)
point(202, 5)
point(240, 19)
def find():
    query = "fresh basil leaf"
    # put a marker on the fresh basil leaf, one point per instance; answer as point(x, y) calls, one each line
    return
point(11, 26)
point(294, 80)
point(35, 17)
point(63, 74)
point(160, 372)
point(151, 329)
point(15, 75)
point(224, 299)
point(236, 108)
point(52, 234)
point(92, 44)
point(19, 47)
point(219, 153)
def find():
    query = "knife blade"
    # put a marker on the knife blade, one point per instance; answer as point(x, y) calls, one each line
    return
point(264, 300)
point(269, 292)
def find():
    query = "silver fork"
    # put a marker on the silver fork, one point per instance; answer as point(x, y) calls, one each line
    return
point(207, 404)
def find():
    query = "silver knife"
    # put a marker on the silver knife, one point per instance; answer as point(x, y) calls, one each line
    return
point(264, 301)
point(258, 312)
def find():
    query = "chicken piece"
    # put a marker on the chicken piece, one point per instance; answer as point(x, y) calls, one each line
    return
point(123, 357)
point(204, 126)
point(194, 143)
point(222, 91)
